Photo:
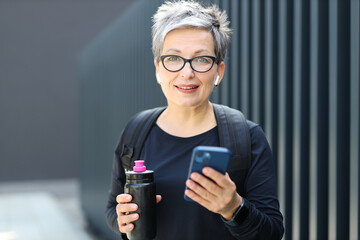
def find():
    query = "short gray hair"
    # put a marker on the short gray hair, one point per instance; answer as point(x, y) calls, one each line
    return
point(188, 14)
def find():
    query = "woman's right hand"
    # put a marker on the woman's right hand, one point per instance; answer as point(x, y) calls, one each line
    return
point(125, 206)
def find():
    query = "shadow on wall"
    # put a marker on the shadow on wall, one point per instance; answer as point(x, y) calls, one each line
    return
point(39, 45)
point(117, 79)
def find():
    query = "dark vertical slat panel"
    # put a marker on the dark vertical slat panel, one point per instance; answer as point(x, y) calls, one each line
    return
point(285, 114)
point(255, 64)
point(216, 94)
point(235, 55)
point(288, 111)
point(339, 119)
point(262, 64)
point(305, 119)
point(270, 74)
point(354, 121)
point(343, 114)
point(305, 105)
point(250, 59)
point(275, 81)
point(300, 142)
point(319, 119)
point(301, 121)
point(245, 66)
point(323, 121)
point(225, 87)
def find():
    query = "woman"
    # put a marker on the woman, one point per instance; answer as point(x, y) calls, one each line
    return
point(189, 45)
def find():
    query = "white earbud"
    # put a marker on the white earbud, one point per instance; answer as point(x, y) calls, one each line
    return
point(158, 78)
point(217, 80)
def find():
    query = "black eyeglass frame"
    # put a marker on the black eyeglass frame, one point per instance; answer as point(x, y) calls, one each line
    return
point(190, 62)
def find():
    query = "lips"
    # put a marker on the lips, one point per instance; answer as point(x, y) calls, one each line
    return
point(186, 87)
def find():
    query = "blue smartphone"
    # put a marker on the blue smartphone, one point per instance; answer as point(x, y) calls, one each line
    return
point(207, 156)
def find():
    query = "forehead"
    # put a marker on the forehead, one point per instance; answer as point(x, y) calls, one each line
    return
point(188, 40)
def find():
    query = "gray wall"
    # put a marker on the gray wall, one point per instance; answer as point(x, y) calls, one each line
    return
point(39, 44)
point(293, 67)
point(117, 79)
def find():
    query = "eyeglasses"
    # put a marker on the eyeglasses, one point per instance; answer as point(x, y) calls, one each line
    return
point(174, 63)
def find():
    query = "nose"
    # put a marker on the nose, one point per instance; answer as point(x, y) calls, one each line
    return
point(187, 72)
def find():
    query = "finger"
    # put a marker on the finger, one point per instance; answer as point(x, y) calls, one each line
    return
point(220, 179)
point(200, 191)
point(225, 187)
point(124, 222)
point(197, 198)
point(206, 184)
point(122, 208)
point(126, 228)
point(158, 198)
point(126, 219)
point(123, 198)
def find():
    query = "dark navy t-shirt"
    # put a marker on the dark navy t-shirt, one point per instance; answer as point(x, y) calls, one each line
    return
point(169, 157)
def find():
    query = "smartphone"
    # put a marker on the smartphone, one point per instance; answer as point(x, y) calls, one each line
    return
point(207, 156)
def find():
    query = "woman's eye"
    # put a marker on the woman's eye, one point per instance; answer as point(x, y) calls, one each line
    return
point(172, 59)
point(202, 60)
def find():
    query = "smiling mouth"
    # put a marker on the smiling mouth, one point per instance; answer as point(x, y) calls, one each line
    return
point(187, 88)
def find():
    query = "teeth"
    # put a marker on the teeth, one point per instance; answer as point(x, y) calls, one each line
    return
point(187, 88)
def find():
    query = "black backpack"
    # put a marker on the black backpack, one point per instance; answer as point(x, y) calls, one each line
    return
point(233, 134)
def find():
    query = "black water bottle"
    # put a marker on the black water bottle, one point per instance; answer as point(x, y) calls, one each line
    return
point(140, 185)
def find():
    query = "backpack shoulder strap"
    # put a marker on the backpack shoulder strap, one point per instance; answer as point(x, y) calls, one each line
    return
point(134, 135)
point(234, 134)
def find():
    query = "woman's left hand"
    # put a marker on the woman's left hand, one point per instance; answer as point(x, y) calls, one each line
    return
point(218, 196)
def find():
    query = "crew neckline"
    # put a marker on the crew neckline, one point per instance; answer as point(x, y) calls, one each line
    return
point(164, 133)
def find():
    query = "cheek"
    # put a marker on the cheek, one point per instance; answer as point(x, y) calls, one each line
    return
point(210, 80)
point(166, 83)
point(168, 78)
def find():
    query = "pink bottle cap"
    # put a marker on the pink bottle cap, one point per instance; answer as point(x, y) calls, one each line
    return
point(139, 166)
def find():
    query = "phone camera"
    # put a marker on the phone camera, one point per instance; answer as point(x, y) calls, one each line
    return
point(199, 154)
point(206, 158)
point(202, 157)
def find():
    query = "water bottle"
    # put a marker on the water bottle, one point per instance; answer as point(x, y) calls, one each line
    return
point(140, 185)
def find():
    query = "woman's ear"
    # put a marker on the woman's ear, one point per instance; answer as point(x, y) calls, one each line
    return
point(220, 74)
point(158, 78)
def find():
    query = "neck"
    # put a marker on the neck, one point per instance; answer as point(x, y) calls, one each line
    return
point(187, 122)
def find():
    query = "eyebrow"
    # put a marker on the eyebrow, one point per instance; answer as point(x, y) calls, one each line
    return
point(196, 52)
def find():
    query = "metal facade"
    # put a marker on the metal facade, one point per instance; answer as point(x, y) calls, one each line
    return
point(293, 67)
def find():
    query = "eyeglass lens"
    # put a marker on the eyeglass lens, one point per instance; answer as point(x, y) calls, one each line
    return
point(199, 64)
